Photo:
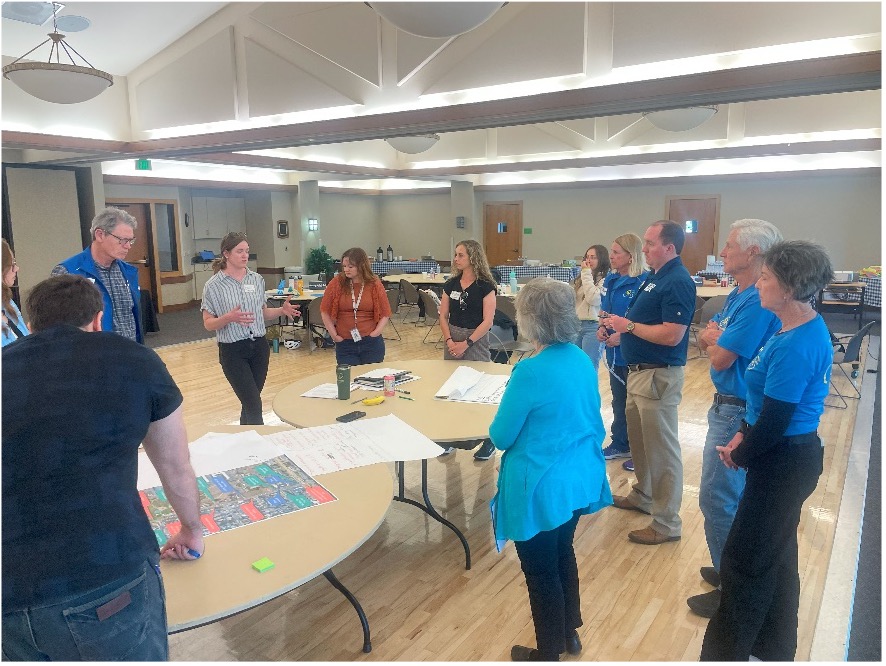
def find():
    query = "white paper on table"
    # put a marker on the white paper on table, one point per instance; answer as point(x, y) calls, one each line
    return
point(339, 446)
point(214, 453)
point(469, 385)
point(379, 373)
point(326, 391)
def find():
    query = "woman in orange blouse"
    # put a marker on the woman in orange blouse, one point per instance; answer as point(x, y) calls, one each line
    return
point(355, 310)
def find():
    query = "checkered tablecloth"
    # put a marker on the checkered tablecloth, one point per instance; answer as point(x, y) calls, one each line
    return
point(385, 267)
point(557, 272)
point(872, 291)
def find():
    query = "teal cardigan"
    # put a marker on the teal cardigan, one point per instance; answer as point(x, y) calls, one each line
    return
point(550, 429)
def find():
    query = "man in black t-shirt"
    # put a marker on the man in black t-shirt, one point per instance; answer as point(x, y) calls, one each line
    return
point(81, 576)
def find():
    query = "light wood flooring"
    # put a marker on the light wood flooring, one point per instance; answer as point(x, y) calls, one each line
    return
point(423, 605)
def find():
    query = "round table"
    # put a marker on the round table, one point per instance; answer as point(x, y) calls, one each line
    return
point(223, 582)
point(439, 420)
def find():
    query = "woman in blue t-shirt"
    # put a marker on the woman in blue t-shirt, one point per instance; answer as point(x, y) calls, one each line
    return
point(13, 323)
point(787, 384)
point(619, 287)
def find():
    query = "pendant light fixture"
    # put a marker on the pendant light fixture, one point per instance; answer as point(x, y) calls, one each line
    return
point(53, 80)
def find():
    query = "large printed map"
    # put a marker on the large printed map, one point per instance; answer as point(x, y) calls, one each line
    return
point(239, 497)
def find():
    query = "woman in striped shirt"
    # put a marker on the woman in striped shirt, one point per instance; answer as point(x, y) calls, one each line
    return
point(234, 306)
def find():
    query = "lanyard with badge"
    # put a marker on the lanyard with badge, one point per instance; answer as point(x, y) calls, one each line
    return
point(355, 334)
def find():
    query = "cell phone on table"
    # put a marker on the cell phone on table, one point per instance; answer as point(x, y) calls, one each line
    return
point(350, 416)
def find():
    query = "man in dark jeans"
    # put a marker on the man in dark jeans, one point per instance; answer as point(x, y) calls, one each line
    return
point(81, 575)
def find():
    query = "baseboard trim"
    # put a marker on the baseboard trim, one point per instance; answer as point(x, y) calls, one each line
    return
point(181, 306)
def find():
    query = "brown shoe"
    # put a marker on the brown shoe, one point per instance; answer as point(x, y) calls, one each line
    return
point(649, 537)
point(621, 502)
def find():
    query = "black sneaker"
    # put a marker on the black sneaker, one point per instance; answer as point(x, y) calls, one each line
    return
point(486, 450)
point(628, 465)
point(710, 575)
point(706, 604)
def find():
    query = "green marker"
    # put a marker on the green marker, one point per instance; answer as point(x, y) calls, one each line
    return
point(403, 397)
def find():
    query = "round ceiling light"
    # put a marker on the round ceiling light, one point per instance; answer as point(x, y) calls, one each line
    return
point(72, 23)
point(413, 144)
point(681, 120)
point(436, 19)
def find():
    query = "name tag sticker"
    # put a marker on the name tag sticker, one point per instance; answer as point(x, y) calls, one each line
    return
point(249, 288)
point(455, 295)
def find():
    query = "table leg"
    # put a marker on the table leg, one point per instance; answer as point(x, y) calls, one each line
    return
point(367, 644)
point(427, 507)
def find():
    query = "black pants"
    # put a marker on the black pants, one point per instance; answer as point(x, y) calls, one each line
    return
point(758, 571)
point(548, 562)
point(245, 364)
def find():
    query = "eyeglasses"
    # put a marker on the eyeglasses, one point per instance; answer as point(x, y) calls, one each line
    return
point(125, 242)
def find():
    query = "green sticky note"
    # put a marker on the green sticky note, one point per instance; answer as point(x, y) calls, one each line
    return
point(527, 231)
point(262, 565)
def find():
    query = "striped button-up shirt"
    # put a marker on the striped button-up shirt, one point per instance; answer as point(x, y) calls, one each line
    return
point(223, 293)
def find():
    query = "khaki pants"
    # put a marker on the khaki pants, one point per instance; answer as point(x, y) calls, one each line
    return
point(651, 410)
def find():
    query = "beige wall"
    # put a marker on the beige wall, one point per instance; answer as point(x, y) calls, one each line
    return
point(842, 212)
point(349, 220)
point(417, 224)
point(45, 221)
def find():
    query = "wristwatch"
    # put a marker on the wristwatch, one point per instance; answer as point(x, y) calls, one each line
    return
point(470, 342)
point(630, 327)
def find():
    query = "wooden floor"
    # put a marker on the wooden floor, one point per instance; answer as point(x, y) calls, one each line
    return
point(423, 605)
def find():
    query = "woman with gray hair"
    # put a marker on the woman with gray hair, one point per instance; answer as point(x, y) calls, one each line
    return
point(787, 383)
point(552, 469)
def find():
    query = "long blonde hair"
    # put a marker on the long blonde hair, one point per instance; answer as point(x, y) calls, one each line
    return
point(633, 245)
point(477, 258)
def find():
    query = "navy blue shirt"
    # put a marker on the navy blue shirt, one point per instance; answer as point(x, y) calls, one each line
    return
point(616, 294)
point(667, 296)
point(76, 406)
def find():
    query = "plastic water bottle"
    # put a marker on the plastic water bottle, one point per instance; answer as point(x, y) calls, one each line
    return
point(281, 286)
point(513, 281)
point(301, 285)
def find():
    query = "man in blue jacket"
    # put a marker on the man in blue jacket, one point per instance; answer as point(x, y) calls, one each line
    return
point(104, 264)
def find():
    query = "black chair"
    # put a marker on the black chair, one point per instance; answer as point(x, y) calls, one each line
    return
point(509, 348)
point(394, 300)
point(432, 316)
point(409, 297)
point(847, 352)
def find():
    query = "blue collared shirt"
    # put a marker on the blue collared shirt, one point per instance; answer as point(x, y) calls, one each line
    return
point(667, 296)
point(615, 296)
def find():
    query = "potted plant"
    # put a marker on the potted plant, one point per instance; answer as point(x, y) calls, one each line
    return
point(319, 261)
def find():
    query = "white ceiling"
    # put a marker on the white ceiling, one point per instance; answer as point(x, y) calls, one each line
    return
point(122, 35)
point(543, 92)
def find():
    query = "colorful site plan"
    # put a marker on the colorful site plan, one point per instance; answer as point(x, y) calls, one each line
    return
point(240, 496)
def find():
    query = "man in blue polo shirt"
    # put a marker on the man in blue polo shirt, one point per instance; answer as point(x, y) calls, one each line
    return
point(654, 340)
point(732, 338)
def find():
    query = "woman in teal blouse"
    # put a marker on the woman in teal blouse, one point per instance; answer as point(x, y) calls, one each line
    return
point(552, 471)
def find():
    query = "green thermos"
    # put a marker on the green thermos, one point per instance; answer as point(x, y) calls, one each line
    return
point(343, 379)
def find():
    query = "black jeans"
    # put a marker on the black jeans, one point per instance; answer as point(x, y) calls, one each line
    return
point(245, 364)
point(548, 562)
point(619, 389)
point(758, 570)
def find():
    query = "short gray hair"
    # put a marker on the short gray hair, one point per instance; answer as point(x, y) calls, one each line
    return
point(546, 311)
point(801, 267)
point(110, 217)
point(761, 233)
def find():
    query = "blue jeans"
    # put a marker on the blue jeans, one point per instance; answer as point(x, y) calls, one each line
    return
point(124, 620)
point(368, 350)
point(619, 431)
point(588, 341)
point(721, 487)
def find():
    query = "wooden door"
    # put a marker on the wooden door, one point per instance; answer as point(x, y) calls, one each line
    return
point(141, 253)
point(706, 211)
point(503, 232)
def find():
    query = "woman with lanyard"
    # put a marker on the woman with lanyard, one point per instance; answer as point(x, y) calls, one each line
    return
point(779, 446)
point(355, 311)
point(619, 287)
point(594, 268)
point(234, 306)
point(467, 306)
point(13, 323)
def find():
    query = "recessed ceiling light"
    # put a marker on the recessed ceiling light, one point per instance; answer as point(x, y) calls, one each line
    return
point(71, 23)
point(35, 13)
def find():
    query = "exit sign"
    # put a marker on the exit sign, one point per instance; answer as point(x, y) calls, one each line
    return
point(143, 165)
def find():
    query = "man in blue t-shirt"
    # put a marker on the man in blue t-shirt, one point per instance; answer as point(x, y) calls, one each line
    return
point(81, 575)
point(654, 340)
point(732, 338)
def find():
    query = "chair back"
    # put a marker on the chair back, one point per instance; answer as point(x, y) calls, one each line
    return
point(393, 299)
point(711, 307)
point(853, 346)
point(699, 304)
point(410, 293)
point(506, 306)
point(432, 312)
point(314, 315)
